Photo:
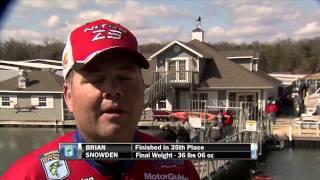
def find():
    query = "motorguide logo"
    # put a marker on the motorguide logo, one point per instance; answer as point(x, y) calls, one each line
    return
point(169, 176)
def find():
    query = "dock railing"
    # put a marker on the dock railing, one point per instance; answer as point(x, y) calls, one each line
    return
point(243, 112)
point(208, 169)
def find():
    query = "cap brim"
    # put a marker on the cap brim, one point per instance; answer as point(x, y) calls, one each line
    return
point(139, 59)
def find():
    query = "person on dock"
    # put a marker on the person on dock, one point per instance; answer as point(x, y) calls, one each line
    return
point(272, 110)
point(221, 119)
point(167, 133)
point(227, 123)
point(182, 134)
point(104, 89)
point(214, 133)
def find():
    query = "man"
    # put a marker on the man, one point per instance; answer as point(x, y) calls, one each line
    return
point(104, 89)
point(227, 123)
point(182, 134)
point(272, 110)
point(167, 133)
point(214, 132)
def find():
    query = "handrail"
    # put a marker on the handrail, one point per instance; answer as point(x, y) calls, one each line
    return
point(175, 76)
point(152, 93)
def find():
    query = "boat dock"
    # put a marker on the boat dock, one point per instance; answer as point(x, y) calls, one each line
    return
point(294, 129)
point(289, 129)
point(70, 123)
point(33, 123)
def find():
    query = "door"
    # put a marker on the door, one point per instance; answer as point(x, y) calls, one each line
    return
point(248, 104)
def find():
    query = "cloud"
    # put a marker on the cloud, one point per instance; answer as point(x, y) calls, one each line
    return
point(22, 35)
point(238, 31)
point(240, 34)
point(90, 15)
point(311, 28)
point(248, 12)
point(140, 18)
point(61, 4)
point(135, 7)
point(158, 34)
point(52, 21)
point(265, 20)
point(107, 2)
point(234, 20)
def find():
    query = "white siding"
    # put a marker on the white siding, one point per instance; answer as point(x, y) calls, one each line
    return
point(49, 102)
point(212, 95)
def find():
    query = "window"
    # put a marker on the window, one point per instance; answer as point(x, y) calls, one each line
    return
point(172, 70)
point(5, 101)
point(182, 70)
point(8, 101)
point(42, 101)
point(178, 69)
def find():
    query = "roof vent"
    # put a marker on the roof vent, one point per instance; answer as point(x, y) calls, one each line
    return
point(22, 79)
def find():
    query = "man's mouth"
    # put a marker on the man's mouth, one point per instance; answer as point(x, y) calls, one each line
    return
point(114, 111)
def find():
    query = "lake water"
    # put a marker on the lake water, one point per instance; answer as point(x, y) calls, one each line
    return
point(299, 163)
point(291, 163)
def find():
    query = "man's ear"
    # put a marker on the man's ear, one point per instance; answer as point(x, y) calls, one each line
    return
point(67, 96)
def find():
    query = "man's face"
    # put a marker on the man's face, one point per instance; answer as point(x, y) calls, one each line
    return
point(106, 98)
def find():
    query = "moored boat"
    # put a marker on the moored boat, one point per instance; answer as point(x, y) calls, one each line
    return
point(184, 115)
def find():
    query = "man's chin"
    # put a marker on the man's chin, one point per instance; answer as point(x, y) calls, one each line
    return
point(114, 133)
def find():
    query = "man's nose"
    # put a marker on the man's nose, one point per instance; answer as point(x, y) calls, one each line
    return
point(111, 88)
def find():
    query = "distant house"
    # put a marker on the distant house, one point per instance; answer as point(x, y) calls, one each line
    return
point(32, 96)
point(34, 64)
point(287, 78)
point(186, 75)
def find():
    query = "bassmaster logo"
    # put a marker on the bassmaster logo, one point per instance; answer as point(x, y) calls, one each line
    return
point(170, 176)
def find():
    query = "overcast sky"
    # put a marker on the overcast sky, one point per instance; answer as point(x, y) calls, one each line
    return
point(167, 20)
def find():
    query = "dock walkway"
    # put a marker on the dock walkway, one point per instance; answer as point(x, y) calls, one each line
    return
point(305, 131)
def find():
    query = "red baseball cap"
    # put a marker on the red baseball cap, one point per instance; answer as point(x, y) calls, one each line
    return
point(87, 41)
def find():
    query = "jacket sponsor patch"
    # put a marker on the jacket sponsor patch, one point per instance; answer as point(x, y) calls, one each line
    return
point(165, 176)
point(53, 166)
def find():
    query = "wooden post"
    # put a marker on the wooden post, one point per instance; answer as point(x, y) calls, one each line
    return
point(318, 126)
point(290, 133)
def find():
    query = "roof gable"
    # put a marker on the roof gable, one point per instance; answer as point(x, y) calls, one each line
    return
point(179, 43)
